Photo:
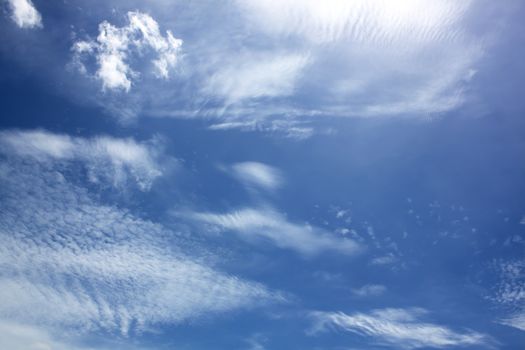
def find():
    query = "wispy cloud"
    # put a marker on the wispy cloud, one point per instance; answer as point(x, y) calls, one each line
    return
point(256, 174)
point(14, 336)
point(114, 46)
point(516, 320)
point(430, 55)
point(267, 224)
point(402, 328)
point(257, 76)
point(25, 14)
point(369, 290)
point(381, 22)
point(106, 158)
point(73, 264)
point(387, 259)
point(281, 65)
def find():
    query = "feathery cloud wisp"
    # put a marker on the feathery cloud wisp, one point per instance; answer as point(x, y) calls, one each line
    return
point(399, 327)
point(252, 77)
point(106, 158)
point(257, 174)
point(252, 224)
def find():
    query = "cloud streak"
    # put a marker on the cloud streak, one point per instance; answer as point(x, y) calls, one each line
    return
point(267, 224)
point(257, 76)
point(107, 159)
point(398, 327)
point(258, 175)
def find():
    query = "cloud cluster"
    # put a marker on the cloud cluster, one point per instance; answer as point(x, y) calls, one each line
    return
point(106, 159)
point(509, 292)
point(283, 66)
point(114, 47)
point(402, 328)
point(274, 64)
point(25, 14)
point(71, 263)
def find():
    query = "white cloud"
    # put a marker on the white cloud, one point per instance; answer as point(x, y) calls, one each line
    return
point(267, 224)
point(398, 327)
point(509, 292)
point(289, 128)
point(375, 58)
point(14, 336)
point(25, 14)
point(106, 158)
point(19, 336)
point(257, 174)
point(114, 46)
point(255, 76)
point(71, 264)
point(516, 320)
point(384, 260)
point(384, 22)
point(281, 66)
point(369, 290)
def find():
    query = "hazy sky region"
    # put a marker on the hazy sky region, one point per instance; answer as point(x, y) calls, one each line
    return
point(262, 174)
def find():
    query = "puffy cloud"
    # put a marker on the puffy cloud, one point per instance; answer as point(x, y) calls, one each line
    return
point(264, 223)
point(280, 66)
point(25, 14)
point(283, 66)
point(106, 158)
point(114, 46)
point(399, 327)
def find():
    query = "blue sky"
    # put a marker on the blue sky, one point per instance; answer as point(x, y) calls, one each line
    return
point(262, 175)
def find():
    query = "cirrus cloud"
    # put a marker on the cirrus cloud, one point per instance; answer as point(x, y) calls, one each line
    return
point(398, 327)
